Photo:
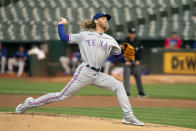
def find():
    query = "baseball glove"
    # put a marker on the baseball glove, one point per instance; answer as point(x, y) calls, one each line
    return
point(128, 51)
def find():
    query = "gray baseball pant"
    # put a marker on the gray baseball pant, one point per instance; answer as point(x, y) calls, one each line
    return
point(85, 76)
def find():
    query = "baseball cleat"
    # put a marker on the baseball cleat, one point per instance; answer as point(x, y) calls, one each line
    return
point(142, 95)
point(132, 120)
point(21, 107)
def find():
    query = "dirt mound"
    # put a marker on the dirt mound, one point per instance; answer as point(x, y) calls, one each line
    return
point(48, 122)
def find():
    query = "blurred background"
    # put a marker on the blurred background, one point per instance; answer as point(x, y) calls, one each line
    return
point(33, 24)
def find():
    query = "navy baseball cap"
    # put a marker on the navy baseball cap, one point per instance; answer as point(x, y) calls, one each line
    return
point(98, 15)
point(132, 30)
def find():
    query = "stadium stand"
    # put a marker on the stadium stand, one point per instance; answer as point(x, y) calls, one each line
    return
point(35, 20)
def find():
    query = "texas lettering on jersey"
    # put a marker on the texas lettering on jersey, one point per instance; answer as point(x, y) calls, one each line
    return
point(99, 43)
point(95, 47)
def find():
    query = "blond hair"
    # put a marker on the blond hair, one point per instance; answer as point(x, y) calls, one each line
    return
point(88, 24)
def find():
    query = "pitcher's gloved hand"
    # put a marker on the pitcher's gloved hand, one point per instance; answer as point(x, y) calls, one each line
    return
point(128, 51)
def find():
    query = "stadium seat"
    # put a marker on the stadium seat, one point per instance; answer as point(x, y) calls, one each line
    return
point(37, 19)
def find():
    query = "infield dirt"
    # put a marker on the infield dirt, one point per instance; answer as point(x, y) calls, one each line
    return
point(146, 79)
point(100, 101)
point(53, 122)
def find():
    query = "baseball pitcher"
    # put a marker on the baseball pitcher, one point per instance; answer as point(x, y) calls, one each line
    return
point(95, 46)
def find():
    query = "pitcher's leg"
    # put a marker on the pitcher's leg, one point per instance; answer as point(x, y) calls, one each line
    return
point(58, 96)
point(126, 78)
point(69, 89)
point(109, 83)
point(77, 82)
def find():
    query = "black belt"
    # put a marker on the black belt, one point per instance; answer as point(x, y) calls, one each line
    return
point(93, 68)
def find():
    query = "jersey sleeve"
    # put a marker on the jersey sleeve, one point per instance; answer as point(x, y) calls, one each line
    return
point(74, 38)
point(116, 50)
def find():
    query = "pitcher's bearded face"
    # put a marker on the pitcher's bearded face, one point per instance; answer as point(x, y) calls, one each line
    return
point(103, 23)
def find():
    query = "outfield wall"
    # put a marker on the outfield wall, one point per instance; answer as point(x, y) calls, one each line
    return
point(152, 57)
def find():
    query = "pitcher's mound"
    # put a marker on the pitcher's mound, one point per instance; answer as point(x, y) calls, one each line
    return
point(53, 122)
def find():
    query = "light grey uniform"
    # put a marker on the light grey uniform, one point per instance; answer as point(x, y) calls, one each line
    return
point(94, 48)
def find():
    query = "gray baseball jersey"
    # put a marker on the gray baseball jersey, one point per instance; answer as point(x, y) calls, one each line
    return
point(95, 47)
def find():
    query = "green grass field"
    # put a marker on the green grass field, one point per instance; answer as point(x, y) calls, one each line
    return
point(166, 116)
point(25, 86)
